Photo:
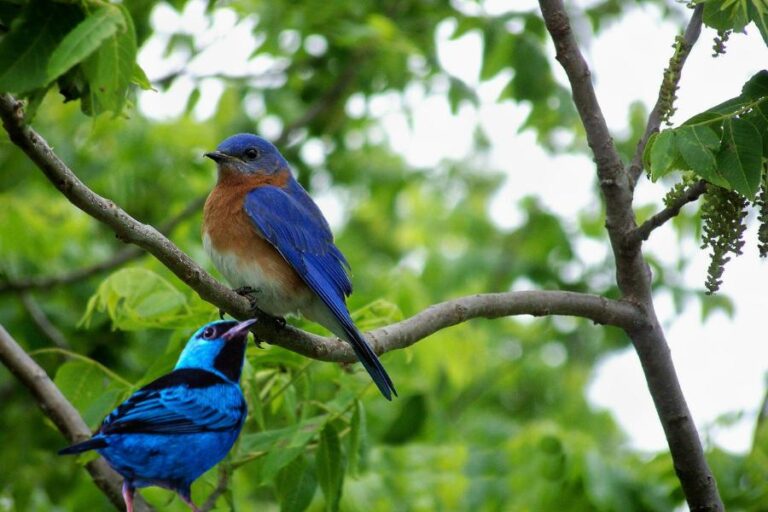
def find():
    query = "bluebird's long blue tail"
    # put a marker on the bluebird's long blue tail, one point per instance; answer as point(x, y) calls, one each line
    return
point(91, 444)
point(371, 363)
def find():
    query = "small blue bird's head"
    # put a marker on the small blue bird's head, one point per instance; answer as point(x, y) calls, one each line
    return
point(218, 347)
point(246, 153)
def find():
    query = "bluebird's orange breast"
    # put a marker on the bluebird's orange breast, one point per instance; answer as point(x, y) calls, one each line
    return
point(241, 253)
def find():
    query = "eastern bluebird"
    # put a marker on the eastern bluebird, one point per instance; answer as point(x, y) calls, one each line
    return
point(177, 427)
point(263, 231)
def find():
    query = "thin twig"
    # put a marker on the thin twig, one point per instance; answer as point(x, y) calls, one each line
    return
point(64, 416)
point(690, 37)
point(221, 487)
point(40, 319)
point(49, 283)
point(690, 195)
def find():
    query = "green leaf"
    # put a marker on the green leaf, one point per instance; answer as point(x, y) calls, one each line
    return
point(756, 87)
point(330, 467)
point(722, 16)
point(498, 45)
point(295, 485)
point(715, 302)
point(84, 39)
point(277, 459)
point(90, 390)
point(532, 80)
point(358, 439)
point(409, 423)
point(111, 69)
point(758, 116)
point(662, 153)
point(26, 50)
point(137, 298)
point(740, 158)
point(140, 78)
point(760, 17)
point(458, 92)
point(697, 145)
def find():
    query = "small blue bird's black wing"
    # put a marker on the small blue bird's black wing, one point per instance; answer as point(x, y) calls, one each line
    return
point(294, 225)
point(182, 402)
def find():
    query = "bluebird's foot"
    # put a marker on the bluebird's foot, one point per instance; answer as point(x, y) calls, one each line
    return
point(251, 293)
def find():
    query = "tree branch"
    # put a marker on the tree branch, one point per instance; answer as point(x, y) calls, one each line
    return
point(691, 194)
point(64, 416)
point(633, 274)
point(388, 338)
point(690, 37)
point(48, 283)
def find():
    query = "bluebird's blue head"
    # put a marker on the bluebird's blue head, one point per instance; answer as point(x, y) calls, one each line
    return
point(248, 154)
point(218, 347)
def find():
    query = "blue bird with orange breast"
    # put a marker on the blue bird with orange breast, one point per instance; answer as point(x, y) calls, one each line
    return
point(177, 427)
point(264, 232)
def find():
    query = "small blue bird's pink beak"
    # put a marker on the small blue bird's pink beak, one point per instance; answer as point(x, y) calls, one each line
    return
point(239, 329)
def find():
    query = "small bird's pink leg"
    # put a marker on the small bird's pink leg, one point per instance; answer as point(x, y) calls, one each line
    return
point(128, 491)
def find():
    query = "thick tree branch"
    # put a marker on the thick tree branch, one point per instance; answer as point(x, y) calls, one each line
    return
point(399, 335)
point(690, 37)
point(64, 416)
point(633, 274)
point(691, 194)
point(48, 283)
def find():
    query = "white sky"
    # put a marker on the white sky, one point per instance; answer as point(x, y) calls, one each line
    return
point(721, 363)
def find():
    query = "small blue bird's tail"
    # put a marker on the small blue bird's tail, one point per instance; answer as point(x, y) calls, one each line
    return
point(371, 363)
point(91, 444)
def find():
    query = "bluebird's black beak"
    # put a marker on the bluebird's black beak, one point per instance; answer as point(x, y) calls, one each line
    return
point(217, 156)
point(239, 329)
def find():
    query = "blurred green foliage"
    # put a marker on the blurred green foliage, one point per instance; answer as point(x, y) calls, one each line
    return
point(492, 415)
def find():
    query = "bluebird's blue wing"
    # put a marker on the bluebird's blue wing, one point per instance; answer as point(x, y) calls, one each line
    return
point(182, 402)
point(293, 224)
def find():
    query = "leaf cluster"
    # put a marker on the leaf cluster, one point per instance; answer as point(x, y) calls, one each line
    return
point(87, 49)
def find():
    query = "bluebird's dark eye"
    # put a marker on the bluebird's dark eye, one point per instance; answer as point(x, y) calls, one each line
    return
point(252, 153)
point(209, 333)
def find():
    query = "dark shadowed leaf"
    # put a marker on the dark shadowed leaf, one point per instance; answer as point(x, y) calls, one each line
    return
point(111, 69)
point(330, 467)
point(295, 485)
point(408, 424)
point(26, 50)
point(662, 153)
point(358, 439)
point(84, 39)
point(697, 145)
point(756, 87)
point(740, 158)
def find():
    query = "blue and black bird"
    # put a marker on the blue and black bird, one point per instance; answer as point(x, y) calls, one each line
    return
point(179, 426)
point(264, 232)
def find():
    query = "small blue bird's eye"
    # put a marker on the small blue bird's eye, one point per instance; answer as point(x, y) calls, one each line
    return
point(209, 333)
point(252, 153)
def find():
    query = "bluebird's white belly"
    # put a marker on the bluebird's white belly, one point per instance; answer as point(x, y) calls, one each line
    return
point(271, 293)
